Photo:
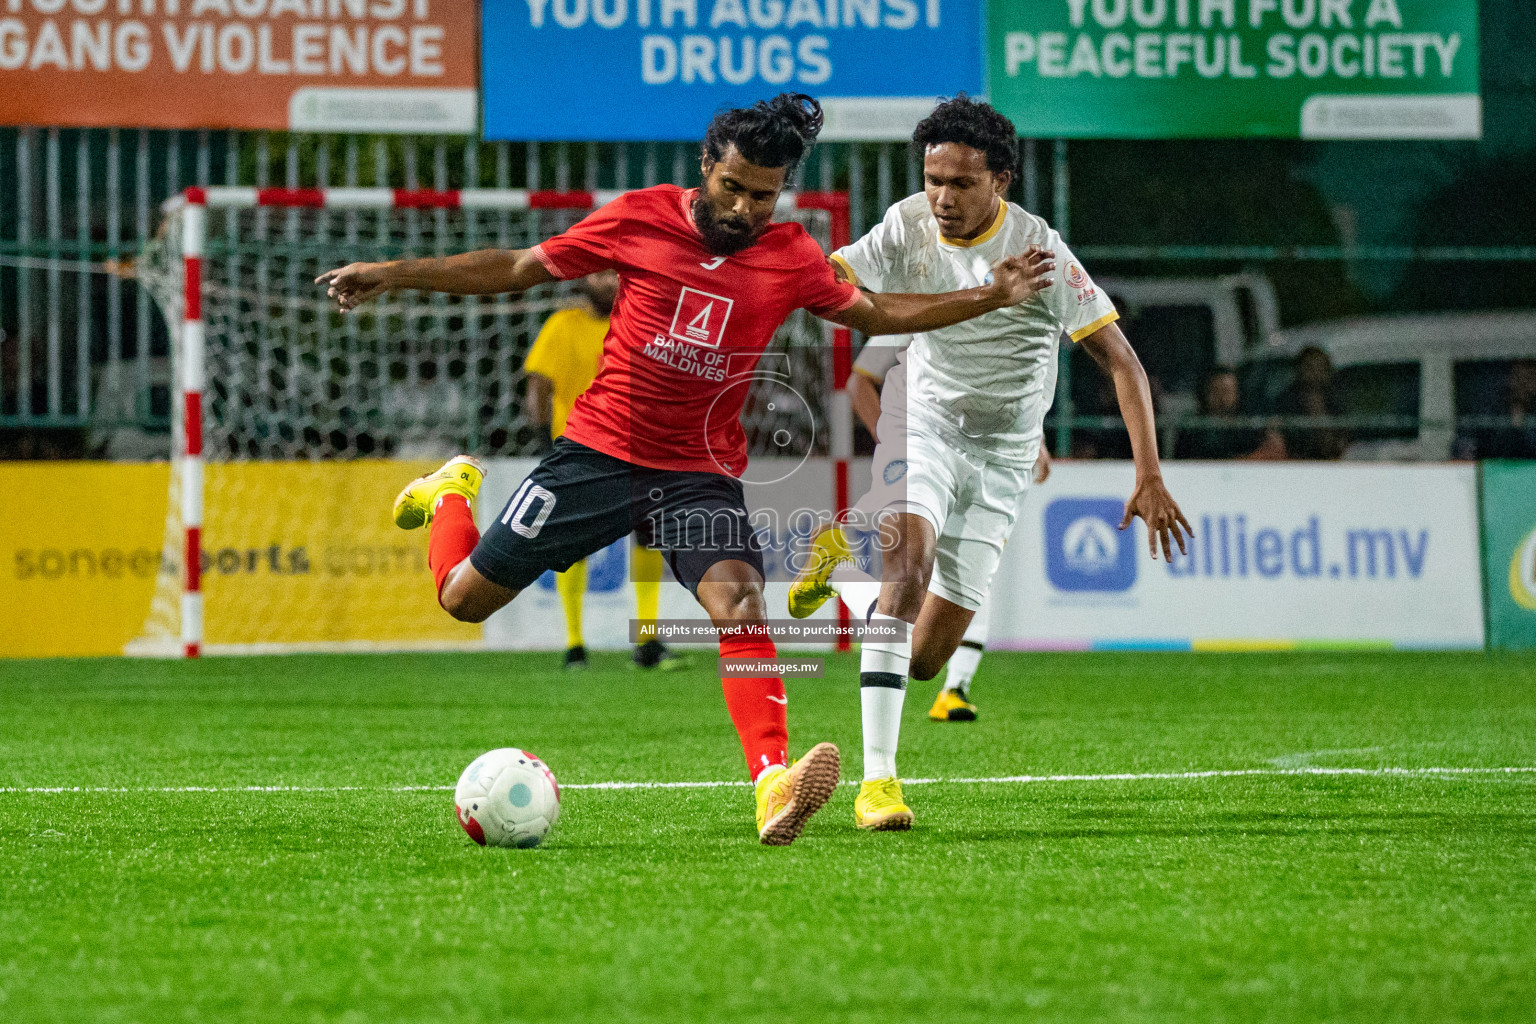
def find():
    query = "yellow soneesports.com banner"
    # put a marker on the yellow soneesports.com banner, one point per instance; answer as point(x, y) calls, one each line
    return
point(80, 554)
point(307, 553)
point(298, 553)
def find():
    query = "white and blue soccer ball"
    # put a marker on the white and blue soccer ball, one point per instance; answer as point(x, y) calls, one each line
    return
point(507, 797)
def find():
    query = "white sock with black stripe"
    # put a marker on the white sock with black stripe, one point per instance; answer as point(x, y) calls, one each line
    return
point(882, 692)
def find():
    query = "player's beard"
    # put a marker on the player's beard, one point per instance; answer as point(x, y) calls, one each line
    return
point(723, 238)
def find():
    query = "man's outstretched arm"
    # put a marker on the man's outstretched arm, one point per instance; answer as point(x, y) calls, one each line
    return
point(1165, 521)
point(484, 272)
point(1013, 281)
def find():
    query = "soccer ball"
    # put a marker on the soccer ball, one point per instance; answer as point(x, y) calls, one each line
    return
point(507, 797)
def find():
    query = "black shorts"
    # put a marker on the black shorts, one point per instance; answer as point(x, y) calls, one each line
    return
point(577, 501)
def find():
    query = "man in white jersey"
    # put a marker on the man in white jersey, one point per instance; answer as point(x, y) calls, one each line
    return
point(867, 389)
point(955, 458)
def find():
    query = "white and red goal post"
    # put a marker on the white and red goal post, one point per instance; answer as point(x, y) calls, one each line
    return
point(190, 216)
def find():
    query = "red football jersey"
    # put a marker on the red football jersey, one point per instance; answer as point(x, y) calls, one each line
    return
point(688, 327)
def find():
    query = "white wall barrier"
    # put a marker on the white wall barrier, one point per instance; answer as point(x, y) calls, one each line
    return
point(1289, 555)
point(1286, 555)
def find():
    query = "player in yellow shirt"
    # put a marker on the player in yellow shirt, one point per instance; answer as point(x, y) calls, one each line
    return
point(560, 366)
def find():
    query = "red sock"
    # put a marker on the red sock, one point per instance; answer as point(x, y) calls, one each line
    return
point(451, 537)
point(757, 704)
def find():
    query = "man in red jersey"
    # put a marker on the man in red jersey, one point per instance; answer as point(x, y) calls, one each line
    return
point(655, 445)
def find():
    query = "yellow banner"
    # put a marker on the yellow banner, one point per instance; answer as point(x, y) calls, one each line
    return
point(306, 553)
point(294, 553)
point(81, 551)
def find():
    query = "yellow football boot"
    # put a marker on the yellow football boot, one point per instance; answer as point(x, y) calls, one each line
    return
point(787, 797)
point(951, 706)
point(879, 807)
point(417, 503)
point(811, 590)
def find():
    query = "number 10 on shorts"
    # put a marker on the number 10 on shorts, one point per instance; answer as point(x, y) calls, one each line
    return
point(521, 505)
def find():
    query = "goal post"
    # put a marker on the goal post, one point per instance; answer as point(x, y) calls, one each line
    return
point(268, 370)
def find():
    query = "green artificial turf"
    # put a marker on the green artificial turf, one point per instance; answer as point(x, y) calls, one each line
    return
point(1239, 898)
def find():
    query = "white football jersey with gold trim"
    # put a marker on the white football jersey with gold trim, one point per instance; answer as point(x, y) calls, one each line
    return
point(985, 384)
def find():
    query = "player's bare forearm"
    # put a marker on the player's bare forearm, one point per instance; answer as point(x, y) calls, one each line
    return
point(864, 396)
point(1110, 349)
point(912, 314)
point(1150, 500)
point(484, 272)
point(1013, 281)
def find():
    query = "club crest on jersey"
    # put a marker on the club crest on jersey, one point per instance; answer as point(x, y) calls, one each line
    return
point(1075, 276)
point(700, 318)
point(895, 470)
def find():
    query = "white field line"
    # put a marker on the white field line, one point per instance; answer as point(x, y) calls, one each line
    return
point(1235, 773)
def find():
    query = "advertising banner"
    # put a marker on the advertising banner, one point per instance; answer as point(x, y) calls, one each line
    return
point(1285, 556)
point(1509, 553)
point(1311, 69)
point(637, 70)
point(81, 565)
point(305, 553)
point(307, 65)
point(301, 555)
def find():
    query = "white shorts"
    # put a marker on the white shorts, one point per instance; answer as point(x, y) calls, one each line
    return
point(972, 503)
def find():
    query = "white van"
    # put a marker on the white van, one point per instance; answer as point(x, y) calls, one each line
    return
point(1433, 366)
point(1181, 325)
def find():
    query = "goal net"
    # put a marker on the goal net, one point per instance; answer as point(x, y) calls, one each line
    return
point(297, 424)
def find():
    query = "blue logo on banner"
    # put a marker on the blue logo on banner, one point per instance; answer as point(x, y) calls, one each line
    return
point(657, 70)
point(1084, 550)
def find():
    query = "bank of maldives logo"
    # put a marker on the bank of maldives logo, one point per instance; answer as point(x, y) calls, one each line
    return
point(1083, 549)
point(1522, 573)
point(700, 318)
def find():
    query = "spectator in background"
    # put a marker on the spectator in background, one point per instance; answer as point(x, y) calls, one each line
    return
point(1311, 393)
point(1218, 400)
point(1517, 440)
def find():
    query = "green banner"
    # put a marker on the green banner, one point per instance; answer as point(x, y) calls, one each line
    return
point(1509, 553)
point(1311, 69)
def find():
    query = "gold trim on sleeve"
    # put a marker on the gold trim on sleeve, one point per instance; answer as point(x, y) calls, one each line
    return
point(853, 278)
point(1101, 322)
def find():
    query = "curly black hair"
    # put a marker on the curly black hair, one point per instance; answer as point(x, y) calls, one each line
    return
point(971, 123)
point(769, 133)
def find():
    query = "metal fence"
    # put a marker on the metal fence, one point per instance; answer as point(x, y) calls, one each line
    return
point(84, 365)
point(83, 351)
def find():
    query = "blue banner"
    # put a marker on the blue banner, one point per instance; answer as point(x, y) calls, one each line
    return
point(643, 70)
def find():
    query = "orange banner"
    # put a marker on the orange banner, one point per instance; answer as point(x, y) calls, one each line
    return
point(306, 65)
